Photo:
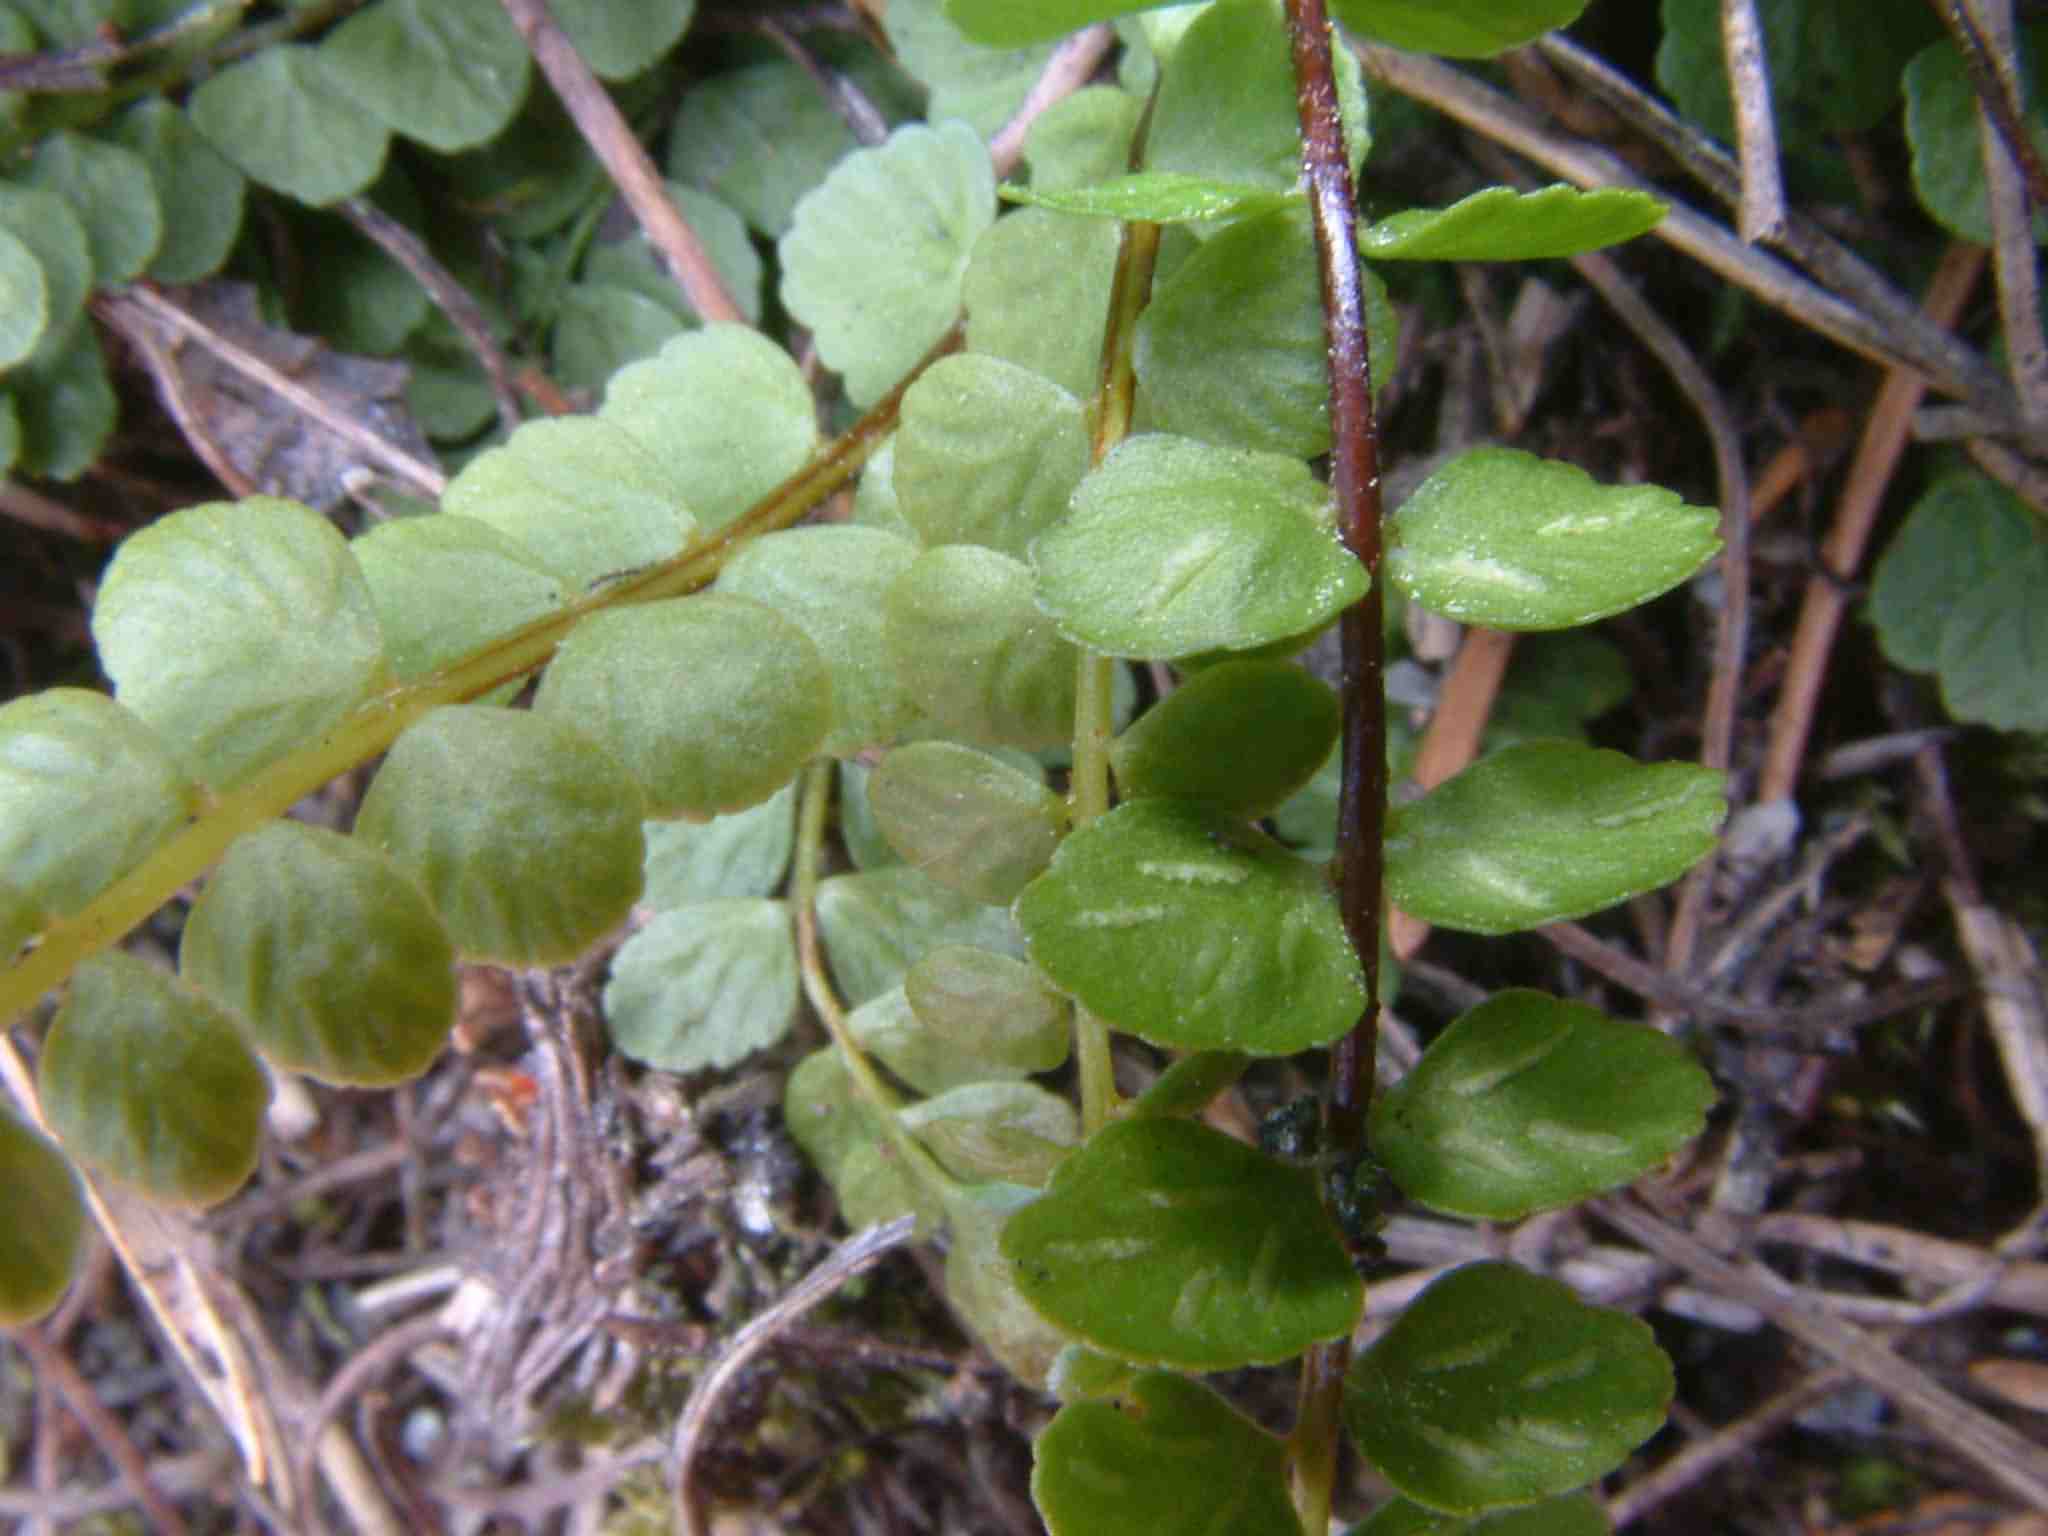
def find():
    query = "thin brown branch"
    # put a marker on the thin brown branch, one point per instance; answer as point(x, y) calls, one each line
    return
point(1362, 797)
point(1696, 1462)
point(32, 509)
point(51, 1364)
point(454, 300)
point(2007, 151)
point(1999, 1451)
point(1889, 329)
point(1071, 66)
point(1731, 638)
point(624, 157)
point(1985, 41)
point(857, 1253)
point(126, 321)
point(1877, 456)
point(1756, 127)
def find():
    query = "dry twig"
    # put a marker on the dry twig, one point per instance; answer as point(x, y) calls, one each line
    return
point(857, 1253)
point(1756, 127)
point(605, 129)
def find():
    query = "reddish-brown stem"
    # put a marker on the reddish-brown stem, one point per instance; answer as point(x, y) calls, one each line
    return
point(1355, 482)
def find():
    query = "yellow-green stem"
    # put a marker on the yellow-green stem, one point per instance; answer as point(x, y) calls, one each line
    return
point(880, 1097)
point(373, 725)
point(1088, 797)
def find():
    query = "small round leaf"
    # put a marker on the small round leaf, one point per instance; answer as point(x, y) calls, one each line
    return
point(111, 190)
point(975, 651)
point(1013, 1133)
point(1166, 1242)
point(449, 73)
point(1503, 538)
point(973, 824)
point(874, 257)
point(444, 584)
point(991, 1008)
point(24, 299)
point(524, 833)
point(1192, 930)
point(284, 118)
point(743, 854)
point(831, 581)
point(1181, 1462)
point(581, 493)
point(712, 702)
point(880, 922)
point(724, 411)
point(150, 1083)
point(1529, 1102)
point(987, 453)
point(1037, 287)
point(1498, 1386)
point(240, 630)
point(1545, 831)
point(202, 192)
point(704, 985)
point(87, 792)
point(44, 1222)
point(1176, 547)
point(56, 237)
point(333, 960)
point(1279, 720)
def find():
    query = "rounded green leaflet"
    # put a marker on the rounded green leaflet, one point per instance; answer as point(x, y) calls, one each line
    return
point(331, 958)
point(1548, 830)
point(831, 581)
point(620, 38)
point(1176, 547)
point(87, 792)
point(1260, 381)
point(240, 631)
point(1168, 1243)
point(1226, 107)
point(64, 404)
point(993, 1015)
point(24, 300)
point(1008, 1132)
point(711, 702)
point(982, 1291)
point(1529, 1102)
point(1569, 1514)
point(875, 254)
point(1083, 139)
point(981, 87)
point(55, 236)
point(285, 120)
point(444, 584)
point(975, 651)
point(1941, 126)
point(880, 922)
point(1498, 1386)
point(1503, 538)
point(975, 825)
point(742, 854)
point(838, 1132)
point(724, 411)
point(146, 1081)
point(1501, 224)
point(1961, 532)
point(581, 493)
point(987, 453)
point(524, 833)
point(760, 137)
point(1171, 1459)
point(1036, 289)
point(449, 73)
point(1994, 653)
point(1182, 925)
point(201, 191)
point(40, 1239)
point(111, 190)
point(704, 985)
point(1277, 721)
point(1470, 29)
point(603, 327)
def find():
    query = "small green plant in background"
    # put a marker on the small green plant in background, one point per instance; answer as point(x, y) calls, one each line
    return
point(1113, 460)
